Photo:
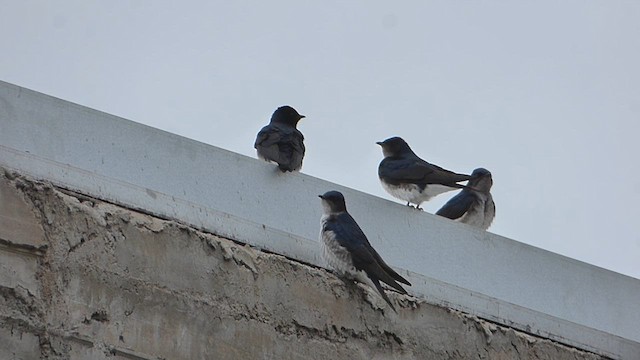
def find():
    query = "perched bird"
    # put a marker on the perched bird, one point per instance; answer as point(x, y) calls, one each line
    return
point(280, 141)
point(407, 177)
point(347, 250)
point(474, 204)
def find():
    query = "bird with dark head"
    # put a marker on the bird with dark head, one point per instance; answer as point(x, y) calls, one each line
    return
point(407, 177)
point(347, 249)
point(474, 204)
point(280, 141)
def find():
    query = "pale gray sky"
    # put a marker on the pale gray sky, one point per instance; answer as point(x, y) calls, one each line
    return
point(545, 94)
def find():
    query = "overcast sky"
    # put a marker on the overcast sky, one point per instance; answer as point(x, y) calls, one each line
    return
point(545, 94)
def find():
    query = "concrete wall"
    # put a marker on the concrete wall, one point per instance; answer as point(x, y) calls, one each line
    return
point(84, 279)
point(449, 264)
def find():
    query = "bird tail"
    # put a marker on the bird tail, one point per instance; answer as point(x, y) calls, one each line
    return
point(382, 271)
point(376, 282)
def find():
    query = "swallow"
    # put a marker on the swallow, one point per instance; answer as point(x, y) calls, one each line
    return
point(474, 204)
point(407, 177)
point(280, 141)
point(347, 250)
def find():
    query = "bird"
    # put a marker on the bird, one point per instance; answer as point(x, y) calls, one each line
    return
point(280, 141)
point(347, 250)
point(407, 177)
point(474, 204)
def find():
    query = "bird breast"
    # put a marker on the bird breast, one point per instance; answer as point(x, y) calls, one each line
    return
point(336, 256)
point(413, 193)
point(406, 192)
point(474, 216)
point(481, 213)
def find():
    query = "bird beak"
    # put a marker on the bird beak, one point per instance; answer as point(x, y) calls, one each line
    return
point(302, 116)
point(321, 197)
point(379, 143)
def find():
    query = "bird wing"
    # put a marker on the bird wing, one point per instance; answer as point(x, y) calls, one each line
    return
point(386, 267)
point(444, 176)
point(282, 145)
point(458, 205)
point(417, 171)
point(268, 136)
point(267, 142)
point(295, 149)
point(351, 236)
point(363, 259)
point(398, 171)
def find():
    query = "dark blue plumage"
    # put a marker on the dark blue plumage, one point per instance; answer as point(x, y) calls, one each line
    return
point(347, 249)
point(473, 205)
point(280, 141)
point(406, 176)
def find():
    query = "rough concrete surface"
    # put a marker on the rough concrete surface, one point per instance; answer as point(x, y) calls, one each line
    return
point(87, 279)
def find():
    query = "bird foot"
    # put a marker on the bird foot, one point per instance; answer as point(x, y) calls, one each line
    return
point(415, 207)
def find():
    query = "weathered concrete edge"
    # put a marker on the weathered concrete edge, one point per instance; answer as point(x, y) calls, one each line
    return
point(120, 257)
point(307, 251)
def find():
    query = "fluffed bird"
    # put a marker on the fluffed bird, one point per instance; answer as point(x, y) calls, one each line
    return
point(280, 141)
point(407, 177)
point(347, 250)
point(474, 204)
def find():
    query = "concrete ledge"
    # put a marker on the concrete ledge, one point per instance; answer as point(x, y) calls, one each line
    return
point(139, 287)
point(18, 224)
point(247, 200)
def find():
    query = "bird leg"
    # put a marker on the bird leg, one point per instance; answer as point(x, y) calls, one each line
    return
point(415, 207)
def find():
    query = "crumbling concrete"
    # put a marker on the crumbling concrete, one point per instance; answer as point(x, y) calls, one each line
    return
point(85, 279)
